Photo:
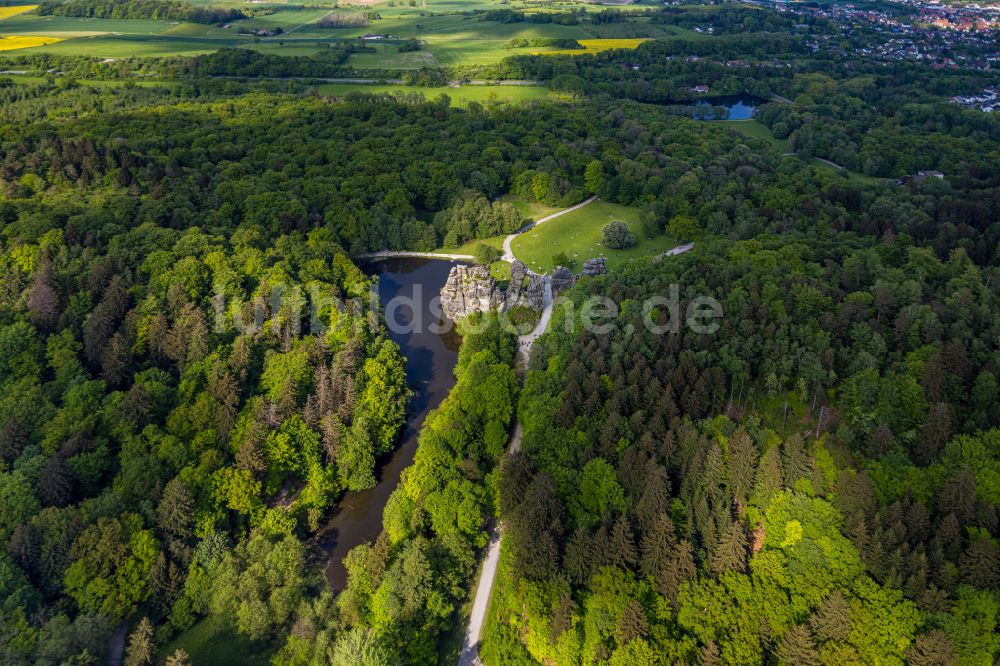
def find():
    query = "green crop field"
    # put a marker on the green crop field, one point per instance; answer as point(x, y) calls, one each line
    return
point(579, 235)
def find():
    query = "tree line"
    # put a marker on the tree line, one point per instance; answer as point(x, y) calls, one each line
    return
point(160, 10)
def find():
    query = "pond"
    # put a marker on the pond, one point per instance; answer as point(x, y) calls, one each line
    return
point(430, 363)
point(721, 107)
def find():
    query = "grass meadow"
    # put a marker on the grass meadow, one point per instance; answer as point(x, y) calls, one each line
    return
point(459, 96)
point(580, 234)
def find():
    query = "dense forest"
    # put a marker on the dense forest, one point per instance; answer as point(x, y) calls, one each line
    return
point(191, 372)
point(164, 391)
point(813, 483)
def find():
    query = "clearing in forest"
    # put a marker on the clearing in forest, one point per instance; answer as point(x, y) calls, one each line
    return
point(579, 234)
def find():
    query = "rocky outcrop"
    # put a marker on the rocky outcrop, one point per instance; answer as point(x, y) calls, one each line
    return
point(469, 289)
point(562, 278)
point(525, 288)
point(595, 266)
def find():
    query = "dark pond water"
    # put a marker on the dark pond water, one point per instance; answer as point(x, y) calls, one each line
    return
point(722, 107)
point(430, 362)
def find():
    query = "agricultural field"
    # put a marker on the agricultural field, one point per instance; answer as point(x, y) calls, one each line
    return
point(449, 35)
point(27, 42)
point(591, 46)
point(14, 10)
point(579, 234)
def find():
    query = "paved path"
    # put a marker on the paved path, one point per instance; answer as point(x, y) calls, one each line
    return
point(386, 254)
point(484, 590)
point(508, 254)
point(680, 249)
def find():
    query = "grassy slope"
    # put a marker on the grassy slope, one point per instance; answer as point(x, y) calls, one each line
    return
point(579, 235)
point(460, 96)
point(757, 130)
point(209, 642)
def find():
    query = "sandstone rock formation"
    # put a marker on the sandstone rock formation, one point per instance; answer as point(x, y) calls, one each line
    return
point(595, 266)
point(525, 289)
point(469, 289)
point(562, 278)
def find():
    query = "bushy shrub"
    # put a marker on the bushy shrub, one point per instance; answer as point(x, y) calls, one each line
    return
point(618, 236)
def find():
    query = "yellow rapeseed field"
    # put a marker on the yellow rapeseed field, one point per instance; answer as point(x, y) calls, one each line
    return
point(596, 46)
point(7, 12)
point(25, 42)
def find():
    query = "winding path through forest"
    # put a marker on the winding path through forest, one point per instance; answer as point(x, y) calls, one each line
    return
point(484, 589)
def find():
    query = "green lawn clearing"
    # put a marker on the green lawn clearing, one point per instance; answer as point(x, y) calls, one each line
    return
point(210, 642)
point(579, 234)
point(459, 95)
point(756, 130)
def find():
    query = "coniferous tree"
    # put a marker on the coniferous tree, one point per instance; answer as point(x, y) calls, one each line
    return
point(632, 624)
point(621, 546)
point(832, 620)
point(13, 439)
point(934, 435)
point(179, 658)
point(562, 617)
point(731, 553)
point(55, 484)
point(742, 465)
point(680, 568)
point(43, 300)
point(709, 654)
point(656, 546)
point(175, 514)
point(797, 648)
point(579, 558)
point(536, 530)
point(141, 649)
point(769, 478)
point(795, 462)
point(115, 360)
point(980, 564)
point(957, 495)
point(932, 649)
point(880, 441)
point(655, 499)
